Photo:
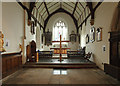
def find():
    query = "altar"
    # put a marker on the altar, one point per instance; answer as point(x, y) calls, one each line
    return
point(60, 50)
point(57, 50)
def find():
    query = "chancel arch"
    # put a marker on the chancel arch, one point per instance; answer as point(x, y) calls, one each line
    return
point(69, 24)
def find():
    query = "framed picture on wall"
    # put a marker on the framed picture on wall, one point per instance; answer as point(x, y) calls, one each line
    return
point(92, 34)
point(32, 28)
point(99, 34)
point(72, 37)
point(87, 39)
point(48, 38)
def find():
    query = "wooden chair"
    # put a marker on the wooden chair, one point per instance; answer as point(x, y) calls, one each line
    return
point(88, 55)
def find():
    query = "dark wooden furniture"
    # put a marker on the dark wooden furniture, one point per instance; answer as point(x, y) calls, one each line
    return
point(88, 55)
point(48, 38)
point(113, 68)
point(45, 54)
point(113, 71)
point(73, 37)
point(11, 62)
point(31, 52)
point(75, 54)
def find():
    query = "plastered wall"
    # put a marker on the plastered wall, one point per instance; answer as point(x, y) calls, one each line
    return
point(12, 26)
point(0, 16)
point(103, 18)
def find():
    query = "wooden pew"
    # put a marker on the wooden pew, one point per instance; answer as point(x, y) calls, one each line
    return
point(11, 62)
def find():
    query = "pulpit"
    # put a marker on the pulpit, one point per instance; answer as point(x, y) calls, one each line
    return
point(31, 51)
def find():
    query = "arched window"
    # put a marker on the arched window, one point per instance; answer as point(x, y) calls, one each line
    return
point(60, 29)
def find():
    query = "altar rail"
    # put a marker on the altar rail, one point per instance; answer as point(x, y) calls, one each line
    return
point(75, 53)
point(45, 54)
point(11, 62)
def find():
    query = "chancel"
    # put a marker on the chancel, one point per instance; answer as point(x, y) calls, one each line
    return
point(60, 42)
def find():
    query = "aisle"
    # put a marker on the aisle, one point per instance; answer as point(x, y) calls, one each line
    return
point(49, 76)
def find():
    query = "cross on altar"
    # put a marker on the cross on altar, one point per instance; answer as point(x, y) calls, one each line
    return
point(60, 50)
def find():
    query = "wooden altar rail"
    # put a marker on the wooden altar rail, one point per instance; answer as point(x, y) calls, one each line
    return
point(45, 53)
point(60, 50)
point(59, 41)
point(57, 50)
point(11, 62)
point(76, 53)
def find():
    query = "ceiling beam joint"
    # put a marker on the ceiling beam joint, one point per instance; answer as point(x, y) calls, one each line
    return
point(64, 11)
point(29, 11)
point(99, 3)
point(46, 8)
point(75, 8)
point(91, 9)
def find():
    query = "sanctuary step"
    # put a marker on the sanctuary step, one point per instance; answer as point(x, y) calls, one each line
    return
point(59, 66)
point(66, 63)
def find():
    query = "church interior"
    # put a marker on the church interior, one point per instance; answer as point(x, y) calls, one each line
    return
point(60, 42)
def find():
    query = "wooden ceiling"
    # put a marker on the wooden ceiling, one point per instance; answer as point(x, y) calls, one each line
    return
point(42, 11)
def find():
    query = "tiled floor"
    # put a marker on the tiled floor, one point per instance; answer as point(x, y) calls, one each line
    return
point(47, 76)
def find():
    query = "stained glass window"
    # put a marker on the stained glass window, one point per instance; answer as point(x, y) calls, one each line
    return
point(60, 29)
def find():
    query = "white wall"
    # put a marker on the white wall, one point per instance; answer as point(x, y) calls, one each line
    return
point(12, 25)
point(29, 37)
point(0, 16)
point(38, 38)
point(71, 27)
point(103, 18)
point(0, 42)
point(13, 28)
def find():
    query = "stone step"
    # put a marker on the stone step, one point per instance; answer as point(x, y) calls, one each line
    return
point(59, 66)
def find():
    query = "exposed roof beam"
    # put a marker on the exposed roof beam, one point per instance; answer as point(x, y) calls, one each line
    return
point(46, 8)
point(43, 13)
point(36, 21)
point(29, 11)
point(81, 5)
point(91, 9)
point(75, 8)
point(79, 9)
point(53, 5)
point(60, 4)
point(24, 7)
point(85, 15)
point(40, 5)
point(68, 4)
point(32, 5)
point(64, 11)
point(84, 21)
point(48, 3)
point(77, 12)
point(99, 3)
point(67, 8)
